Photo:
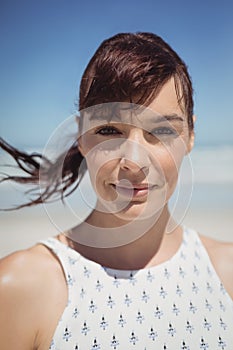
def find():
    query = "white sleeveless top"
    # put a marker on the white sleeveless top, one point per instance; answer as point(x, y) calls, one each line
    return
point(179, 304)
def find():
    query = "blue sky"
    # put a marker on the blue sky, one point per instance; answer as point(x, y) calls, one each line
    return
point(45, 46)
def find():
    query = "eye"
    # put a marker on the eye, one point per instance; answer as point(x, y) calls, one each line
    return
point(108, 130)
point(164, 131)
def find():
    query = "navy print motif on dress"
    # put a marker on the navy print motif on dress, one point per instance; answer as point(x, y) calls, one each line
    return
point(145, 296)
point(153, 334)
point(178, 305)
point(103, 323)
point(114, 343)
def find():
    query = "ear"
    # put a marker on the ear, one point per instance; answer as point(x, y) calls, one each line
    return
point(191, 137)
point(77, 119)
point(80, 146)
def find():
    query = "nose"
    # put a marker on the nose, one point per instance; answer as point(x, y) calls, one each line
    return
point(135, 155)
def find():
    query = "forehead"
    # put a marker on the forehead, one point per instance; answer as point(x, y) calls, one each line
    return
point(166, 101)
point(164, 107)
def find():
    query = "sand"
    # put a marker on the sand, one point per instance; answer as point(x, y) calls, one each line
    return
point(21, 229)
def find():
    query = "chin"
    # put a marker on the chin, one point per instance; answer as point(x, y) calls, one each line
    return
point(139, 211)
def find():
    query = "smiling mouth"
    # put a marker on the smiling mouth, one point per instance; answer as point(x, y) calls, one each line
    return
point(134, 191)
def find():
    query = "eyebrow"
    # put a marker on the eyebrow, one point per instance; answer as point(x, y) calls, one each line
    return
point(101, 117)
point(105, 115)
point(169, 117)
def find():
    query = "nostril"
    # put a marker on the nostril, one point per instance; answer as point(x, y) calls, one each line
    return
point(128, 164)
point(133, 167)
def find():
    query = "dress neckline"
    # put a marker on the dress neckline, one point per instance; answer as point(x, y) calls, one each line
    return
point(121, 273)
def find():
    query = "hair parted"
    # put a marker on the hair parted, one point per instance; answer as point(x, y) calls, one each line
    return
point(128, 67)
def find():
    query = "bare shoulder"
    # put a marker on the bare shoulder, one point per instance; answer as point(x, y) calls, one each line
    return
point(24, 269)
point(221, 255)
point(28, 280)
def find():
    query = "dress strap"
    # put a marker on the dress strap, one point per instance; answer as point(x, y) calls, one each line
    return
point(66, 256)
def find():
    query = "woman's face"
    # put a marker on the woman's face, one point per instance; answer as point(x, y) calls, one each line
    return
point(134, 155)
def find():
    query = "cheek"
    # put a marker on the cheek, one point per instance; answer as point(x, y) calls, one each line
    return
point(169, 168)
point(101, 157)
point(170, 160)
point(100, 169)
point(95, 165)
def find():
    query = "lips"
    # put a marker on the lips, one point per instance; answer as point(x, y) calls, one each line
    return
point(135, 190)
point(134, 186)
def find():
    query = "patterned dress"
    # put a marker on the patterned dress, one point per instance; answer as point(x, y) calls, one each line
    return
point(177, 305)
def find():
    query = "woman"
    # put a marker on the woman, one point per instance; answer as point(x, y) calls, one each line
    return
point(128, 276)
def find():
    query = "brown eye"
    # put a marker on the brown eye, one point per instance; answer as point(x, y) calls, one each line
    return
point(164, 131)
point(107, 130)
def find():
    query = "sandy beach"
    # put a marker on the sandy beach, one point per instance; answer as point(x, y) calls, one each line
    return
point(23, 228)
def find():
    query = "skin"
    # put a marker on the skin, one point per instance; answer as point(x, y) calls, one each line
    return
point(29, 280)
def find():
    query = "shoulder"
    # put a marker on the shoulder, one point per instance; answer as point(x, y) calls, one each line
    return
point(221, 256)
point(23, 269)
point(28, 280)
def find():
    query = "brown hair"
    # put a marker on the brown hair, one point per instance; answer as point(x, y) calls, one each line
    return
point(129, 67)
point(133, 68)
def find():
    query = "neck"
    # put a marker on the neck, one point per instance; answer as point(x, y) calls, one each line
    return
point(149, 248)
